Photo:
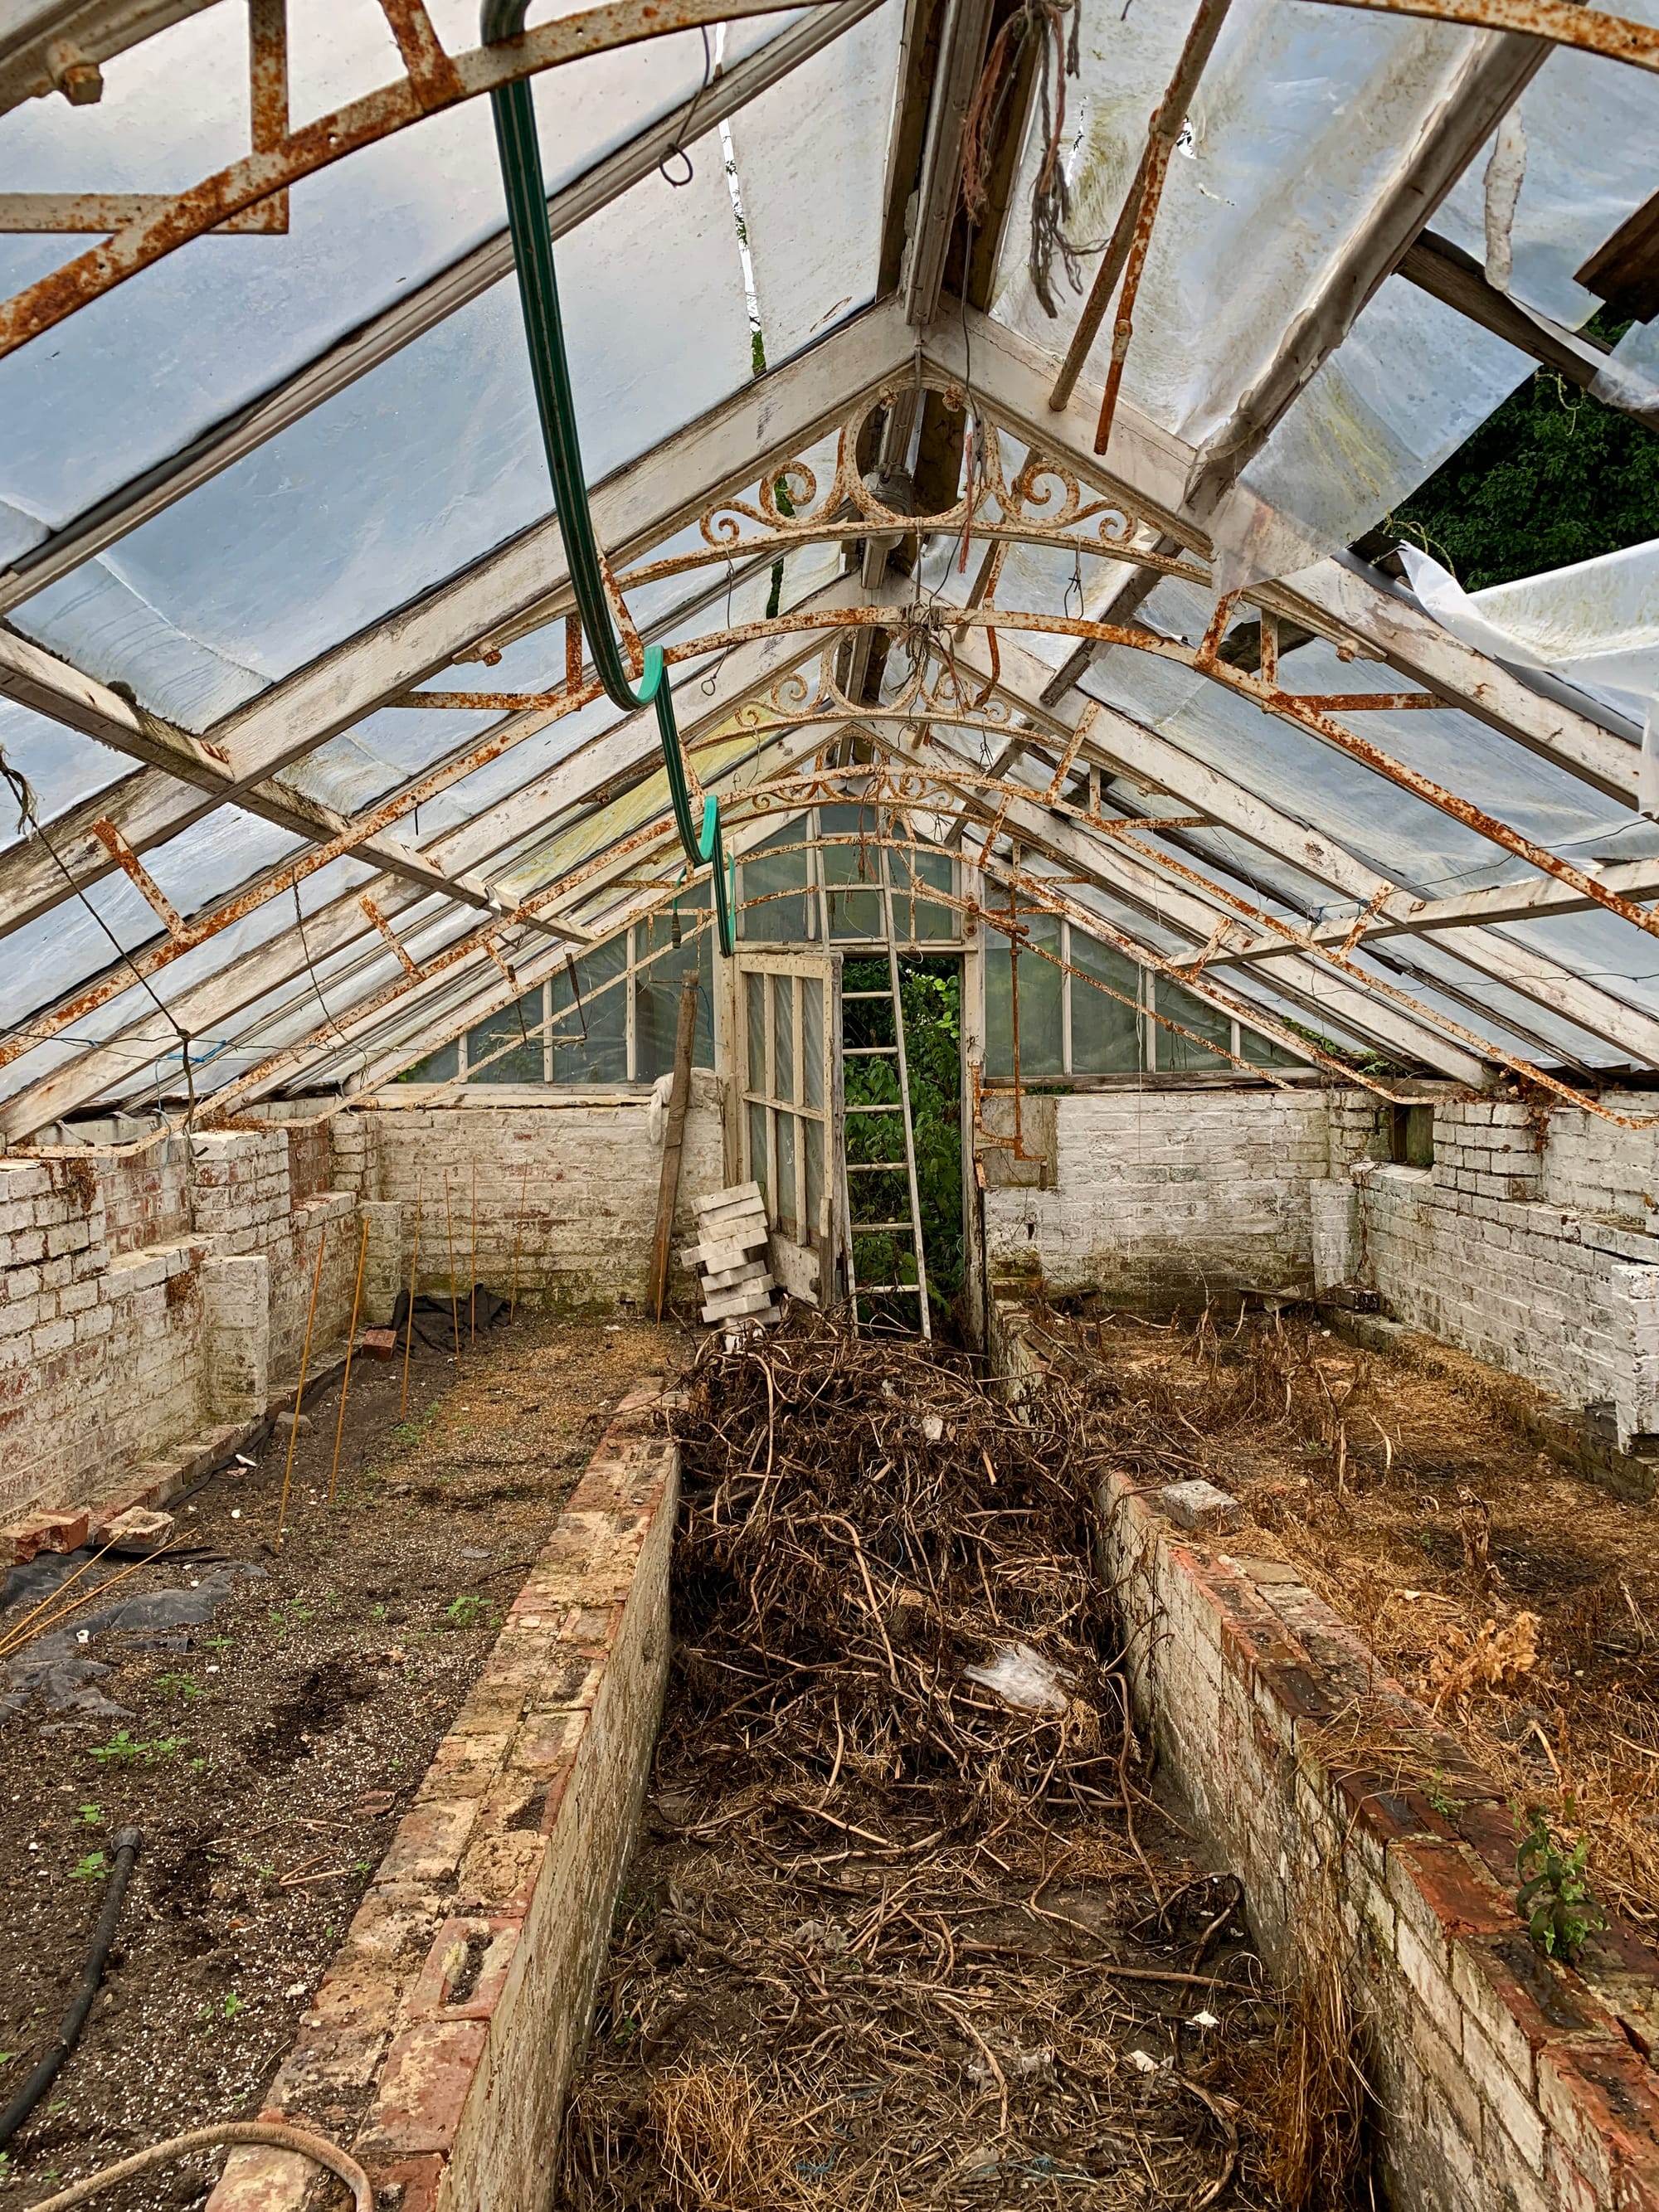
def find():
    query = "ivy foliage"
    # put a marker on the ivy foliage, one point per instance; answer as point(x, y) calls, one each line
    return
point(1552, 477)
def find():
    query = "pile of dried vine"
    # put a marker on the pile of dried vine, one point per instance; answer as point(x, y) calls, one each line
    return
point(863, 1526)
point(894, 1938)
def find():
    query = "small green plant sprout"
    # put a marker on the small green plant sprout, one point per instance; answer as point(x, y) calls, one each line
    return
point(125, 1749)
point(466, 1611)
point(92, 1816)
point(210, 2015)
point(1440, 1797)
point(176, 1684)
point(1554, 1898)
point(92, 1868)
point(219, 1643)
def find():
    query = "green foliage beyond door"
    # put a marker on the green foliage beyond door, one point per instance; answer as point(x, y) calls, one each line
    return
point(931, 992)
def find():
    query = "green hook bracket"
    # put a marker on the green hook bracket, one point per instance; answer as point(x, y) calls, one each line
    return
point(514, 111)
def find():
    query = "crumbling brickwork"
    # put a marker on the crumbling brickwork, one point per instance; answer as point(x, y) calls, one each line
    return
point(1525, 1243)
point(151, 1296)
point(517, 1843)
point(1504, 2080)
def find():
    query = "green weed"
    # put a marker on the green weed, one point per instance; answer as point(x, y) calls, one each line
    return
point(176, 1684)
point(469, 1612)
point(1447, 1805)
point(1554, 1899)
point(92, 1816)
point(92, 1868)
point(124, 1749)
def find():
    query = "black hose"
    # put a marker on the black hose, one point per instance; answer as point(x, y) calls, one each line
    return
point(128, 1843)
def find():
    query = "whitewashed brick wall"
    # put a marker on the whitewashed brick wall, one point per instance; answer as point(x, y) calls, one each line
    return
point(147, 1294)
point(1526, 1243)
point(571, 1176)
point(1160, 1191)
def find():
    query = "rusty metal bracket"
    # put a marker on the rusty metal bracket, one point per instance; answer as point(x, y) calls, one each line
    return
point(129, 864)
point(105, 213)
point(387, 931)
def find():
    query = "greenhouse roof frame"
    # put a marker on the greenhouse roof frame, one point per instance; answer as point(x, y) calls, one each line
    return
point(1326, 870)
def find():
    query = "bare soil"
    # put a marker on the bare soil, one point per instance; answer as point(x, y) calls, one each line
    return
point(268, 1754)
point(1517, 1598)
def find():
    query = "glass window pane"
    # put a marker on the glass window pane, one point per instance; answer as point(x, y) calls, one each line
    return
point(915, 917)
point(1108, 1036)
point(1040, 1044)
point(441, 1066)
point(812, 1139)
point(754, 1023)
point(657, 1004)
point(789, 1217)
point(590, 1032)
point(811, 1041)
point(783, 1035)
point(759, 1170)
point(852, 913)
point(1179, 1054)
point(517, 1028)
point(770, 912)
point(1262, 1051)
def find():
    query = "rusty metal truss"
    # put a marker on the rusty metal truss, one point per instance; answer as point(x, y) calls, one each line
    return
point(432, 81)
point(422, 941)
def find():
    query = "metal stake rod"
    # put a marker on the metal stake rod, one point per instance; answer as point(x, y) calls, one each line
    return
point(300, 1388)
point(454, 1295)
point(351, 1345)
point(409, 1332)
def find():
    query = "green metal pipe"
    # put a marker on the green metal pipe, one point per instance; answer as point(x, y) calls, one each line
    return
point(514, 111)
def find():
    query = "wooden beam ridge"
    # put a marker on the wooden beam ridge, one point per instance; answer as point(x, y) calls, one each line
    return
point(1455, 278)
point(1116, 740)
point(313, 1053)
point(1339, 597)
point(616, 755)
point(1361, 1002)
point(1142, 885)
point(419, 310)
point(188, 771)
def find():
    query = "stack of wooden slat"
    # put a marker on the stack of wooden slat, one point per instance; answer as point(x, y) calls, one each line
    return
point(731, 1255)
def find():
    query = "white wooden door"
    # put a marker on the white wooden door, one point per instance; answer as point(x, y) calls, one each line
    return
point(788, 1026)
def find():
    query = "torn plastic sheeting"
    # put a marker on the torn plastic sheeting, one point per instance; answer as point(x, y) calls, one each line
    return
point(59, 1664)
point(1593, 623)
point(436, 1312)
point(1024, 1679)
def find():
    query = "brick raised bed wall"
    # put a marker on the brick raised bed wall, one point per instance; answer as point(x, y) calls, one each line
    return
point(1503, 2082)
point(516, 1844)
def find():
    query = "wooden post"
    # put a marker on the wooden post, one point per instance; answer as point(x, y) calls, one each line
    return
point(300, 1388)
point(409, 1332)
point(351, 1345)
point(679, 1098)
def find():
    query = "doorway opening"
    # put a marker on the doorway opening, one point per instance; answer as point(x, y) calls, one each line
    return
point(929, 991)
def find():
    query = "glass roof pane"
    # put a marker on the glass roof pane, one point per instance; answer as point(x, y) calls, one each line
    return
point(811, 155)
point(185, 342)
point(431, 461)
